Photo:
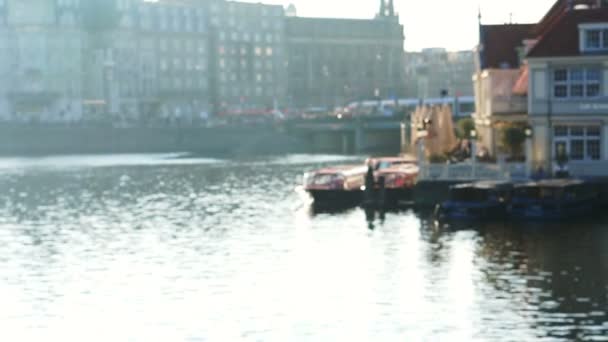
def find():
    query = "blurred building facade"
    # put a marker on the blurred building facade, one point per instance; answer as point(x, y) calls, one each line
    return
point(332, 62)
point(41, 54)
point(434, 70)
point(136, 60)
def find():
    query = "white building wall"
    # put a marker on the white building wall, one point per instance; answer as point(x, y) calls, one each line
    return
point(605, 141)
point(605, 78)
point(540, 84)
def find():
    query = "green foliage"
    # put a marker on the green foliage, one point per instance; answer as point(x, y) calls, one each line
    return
point(513, 138)
point(464, 128)
point(99, 15)
point(438, 159)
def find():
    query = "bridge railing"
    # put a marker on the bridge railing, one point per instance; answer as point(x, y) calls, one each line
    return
point(472, 171)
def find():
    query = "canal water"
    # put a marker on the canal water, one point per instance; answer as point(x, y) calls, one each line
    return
point(171, 248)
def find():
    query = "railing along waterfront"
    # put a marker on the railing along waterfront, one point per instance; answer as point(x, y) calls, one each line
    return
point(472, 171)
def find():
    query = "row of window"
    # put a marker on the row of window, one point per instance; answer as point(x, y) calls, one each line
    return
point(174, 24)
point(247, 37)
point(258, 51)
point(263, 10)
point(233, 77)
point(179, 64)
point(179, 83)
point(244, 64)
point(246, 92)
point(576, 83)
point(155, 11)
point(580, 143)
point(596, 39)
point(178, 46)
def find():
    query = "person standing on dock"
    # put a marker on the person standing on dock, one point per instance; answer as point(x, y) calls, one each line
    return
point(369, 183)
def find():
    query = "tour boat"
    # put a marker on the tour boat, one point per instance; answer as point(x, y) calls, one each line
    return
point(337, 185)
point(398, 175)
point(476, 201)
point(555, 199)
point(379, 163)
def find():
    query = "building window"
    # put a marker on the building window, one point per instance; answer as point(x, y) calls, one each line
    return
point(592, 39)
point(576, 83)
point(595, 37)
point(577, 149)
point(581, 143)
point(593, 149)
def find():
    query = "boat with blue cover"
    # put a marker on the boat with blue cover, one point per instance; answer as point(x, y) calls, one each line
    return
point(476, 201)
point(554, 199)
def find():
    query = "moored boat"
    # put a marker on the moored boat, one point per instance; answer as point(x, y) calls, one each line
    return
point(337, 185)
point(395, 176)
point(555, 199)
point(475, 201)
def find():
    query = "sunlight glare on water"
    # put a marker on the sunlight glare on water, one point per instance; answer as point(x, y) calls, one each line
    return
point(176, 248)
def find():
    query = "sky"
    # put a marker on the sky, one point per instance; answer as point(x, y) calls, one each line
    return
point(451, 24)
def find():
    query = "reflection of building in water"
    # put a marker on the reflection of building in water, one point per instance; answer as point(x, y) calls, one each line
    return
point(555, 273)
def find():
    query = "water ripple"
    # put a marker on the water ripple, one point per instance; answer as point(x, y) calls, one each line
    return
point(228, 251)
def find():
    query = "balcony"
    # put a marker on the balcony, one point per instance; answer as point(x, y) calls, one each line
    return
point(502, 105)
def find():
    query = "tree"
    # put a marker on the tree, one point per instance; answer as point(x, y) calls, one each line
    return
point(513, 138)
point(464, 128)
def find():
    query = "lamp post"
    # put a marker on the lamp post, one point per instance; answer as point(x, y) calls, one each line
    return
point(473, 135)
point(528, 131)
point(378, 99)
point(420, 149)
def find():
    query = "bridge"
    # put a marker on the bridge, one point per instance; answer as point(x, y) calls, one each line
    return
point(348, 135)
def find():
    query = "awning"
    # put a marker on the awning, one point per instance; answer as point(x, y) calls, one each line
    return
point(521, 86)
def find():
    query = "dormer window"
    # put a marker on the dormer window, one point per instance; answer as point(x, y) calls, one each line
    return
point(593, 37)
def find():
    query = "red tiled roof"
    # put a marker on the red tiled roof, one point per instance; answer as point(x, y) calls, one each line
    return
point(500, 43)
point(562, 39)
point(557, 11)
point(553, 15)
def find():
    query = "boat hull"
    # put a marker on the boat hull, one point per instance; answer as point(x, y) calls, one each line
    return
point(398, 197)
point(540, 211)
point(459, 211)
point(336, 198)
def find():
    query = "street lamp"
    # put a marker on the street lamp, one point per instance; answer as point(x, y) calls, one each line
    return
point(529, 151)
point(473, 134)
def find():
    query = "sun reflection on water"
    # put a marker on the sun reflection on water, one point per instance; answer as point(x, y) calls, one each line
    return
point(228, 251)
